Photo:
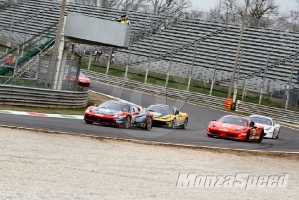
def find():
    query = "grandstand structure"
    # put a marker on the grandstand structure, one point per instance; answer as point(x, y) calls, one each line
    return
point(193, 48)
point(266, 53)
point(27, 18)
point(24, 21)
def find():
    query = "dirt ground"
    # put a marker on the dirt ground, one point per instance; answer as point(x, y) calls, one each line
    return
point(35, 165)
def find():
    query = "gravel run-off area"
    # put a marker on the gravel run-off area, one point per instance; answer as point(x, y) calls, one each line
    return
point(37, 165)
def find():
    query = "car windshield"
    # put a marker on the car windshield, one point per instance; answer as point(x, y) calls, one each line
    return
point(160, 109)
point(75, 74)
point(261, 120)
point(81, 74)
point(234, 120)
point(115, 106)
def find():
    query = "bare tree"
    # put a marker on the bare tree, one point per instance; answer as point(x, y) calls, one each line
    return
point(85, 2)
point(226, 11)
point(133, 5)
point(172, 7)
point(292, 19)
point(259, 9)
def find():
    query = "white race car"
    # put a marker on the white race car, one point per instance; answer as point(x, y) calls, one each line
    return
point(271, 128)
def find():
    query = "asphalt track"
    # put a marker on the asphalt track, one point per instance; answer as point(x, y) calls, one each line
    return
point(194, 135)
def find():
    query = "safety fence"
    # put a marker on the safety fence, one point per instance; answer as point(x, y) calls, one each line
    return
point(166, 92)
point(196, 98)
point(275, 113)
point(24, 96)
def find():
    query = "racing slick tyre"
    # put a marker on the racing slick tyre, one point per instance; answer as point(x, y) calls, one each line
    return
point(277, 135)
point(185, 123)
point(127, 122)
point(173, 123)
point(247, 136)
point(149, 123)
point(261, 137)
point(88, 122)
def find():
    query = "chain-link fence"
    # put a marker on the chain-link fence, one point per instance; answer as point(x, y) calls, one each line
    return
point(254, 87)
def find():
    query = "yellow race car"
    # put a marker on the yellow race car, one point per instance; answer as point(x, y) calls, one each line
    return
point(168, 116)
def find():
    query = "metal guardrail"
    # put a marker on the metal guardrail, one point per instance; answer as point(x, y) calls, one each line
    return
point(275, 113)
point(192, 97)
point(24, 96)
point(177, 94)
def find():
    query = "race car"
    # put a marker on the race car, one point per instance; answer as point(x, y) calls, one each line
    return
point(168, 116)
point(271, 128)
point(83, 80)
point(236, 128)
point(118, 113)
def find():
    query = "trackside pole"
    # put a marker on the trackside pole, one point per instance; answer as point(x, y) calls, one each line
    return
point(149, 61)
point(235, 95)
point(213, 80)
point(244, 90)
point(288, 96)
point(129, 58)
point(168, 70)
point(262, 87)
point(290, 83)
point(15, 70)
point(55, 54)
point(297, 100)
point(239, 66)
point(60, 65)
point(90, 58)
point(109, 61)
point(39, 57)
point(191, 71)
point(238, 50)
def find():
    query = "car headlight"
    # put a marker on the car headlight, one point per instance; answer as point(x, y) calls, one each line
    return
point(267, 129)
point(212, 125)
point(240, 129)
point(166, 118)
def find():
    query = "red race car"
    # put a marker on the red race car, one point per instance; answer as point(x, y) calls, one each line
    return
point(119, 113)
point(82, 79)
point(71, 74)
point(237, 128)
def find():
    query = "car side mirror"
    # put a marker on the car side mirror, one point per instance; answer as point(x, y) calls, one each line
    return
point(177, 112)
point(251, 124)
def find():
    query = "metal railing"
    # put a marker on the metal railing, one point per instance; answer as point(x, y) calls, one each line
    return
point(24, 96)
point(268, 22)
point(192, 97)
point(275, 113)
point(156, 90)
